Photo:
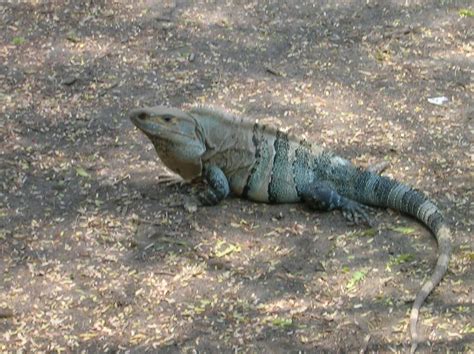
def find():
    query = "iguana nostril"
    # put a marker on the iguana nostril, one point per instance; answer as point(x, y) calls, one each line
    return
point(142, 116)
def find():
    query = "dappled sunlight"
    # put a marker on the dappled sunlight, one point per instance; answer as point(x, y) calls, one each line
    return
point(200, 17)
point(96, 255)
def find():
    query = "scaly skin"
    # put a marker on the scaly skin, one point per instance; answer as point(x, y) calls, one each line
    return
point(266, 165)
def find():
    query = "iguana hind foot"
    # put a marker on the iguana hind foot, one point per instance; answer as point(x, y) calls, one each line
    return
point(323, 197)
point(355, 212)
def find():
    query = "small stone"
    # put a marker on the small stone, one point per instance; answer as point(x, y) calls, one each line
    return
point(190, 206)
point(68, 81)
point(6, 312)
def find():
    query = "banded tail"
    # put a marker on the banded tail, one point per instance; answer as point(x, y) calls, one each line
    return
point(372, 189)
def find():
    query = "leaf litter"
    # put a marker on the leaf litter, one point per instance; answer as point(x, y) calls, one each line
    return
point(79, 273)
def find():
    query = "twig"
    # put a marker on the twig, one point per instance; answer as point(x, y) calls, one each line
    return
point(273, 71)
point(121, 179)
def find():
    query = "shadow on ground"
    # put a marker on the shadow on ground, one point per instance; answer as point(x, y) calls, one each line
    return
point(97, 256)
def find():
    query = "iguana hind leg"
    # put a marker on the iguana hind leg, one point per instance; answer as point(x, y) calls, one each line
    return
point(217, 186)
point(321, 196)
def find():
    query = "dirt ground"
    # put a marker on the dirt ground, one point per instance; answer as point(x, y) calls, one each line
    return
point(95, 255)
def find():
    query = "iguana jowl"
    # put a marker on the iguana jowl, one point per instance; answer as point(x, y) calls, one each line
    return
point(267, 165)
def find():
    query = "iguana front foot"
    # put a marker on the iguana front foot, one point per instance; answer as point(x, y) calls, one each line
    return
point(218, 186)
point(170, 180)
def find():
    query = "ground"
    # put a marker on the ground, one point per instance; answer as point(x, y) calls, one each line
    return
point(96, 255)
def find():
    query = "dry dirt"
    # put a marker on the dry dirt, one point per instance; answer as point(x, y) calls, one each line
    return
point(95, 255)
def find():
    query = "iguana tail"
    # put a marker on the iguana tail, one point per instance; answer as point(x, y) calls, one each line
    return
point(372, 189)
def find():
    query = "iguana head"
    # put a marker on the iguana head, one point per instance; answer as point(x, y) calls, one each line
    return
point(176, 136)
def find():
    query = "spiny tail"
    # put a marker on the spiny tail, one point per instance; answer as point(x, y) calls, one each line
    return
point(372, 189)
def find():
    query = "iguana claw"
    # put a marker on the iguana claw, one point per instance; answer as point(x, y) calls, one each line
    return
point(170, 180)
point(208, 198)
point(355, 212)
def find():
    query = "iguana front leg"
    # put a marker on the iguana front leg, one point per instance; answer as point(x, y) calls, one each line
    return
point(217, 186)
point(321, 196)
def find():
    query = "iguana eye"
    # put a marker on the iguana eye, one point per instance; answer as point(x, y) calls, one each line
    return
point(167, 118)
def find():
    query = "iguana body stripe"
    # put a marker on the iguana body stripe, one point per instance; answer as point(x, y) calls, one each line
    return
point(302, 167)
point(253, 177)
point(267, 165)
point(282, 188)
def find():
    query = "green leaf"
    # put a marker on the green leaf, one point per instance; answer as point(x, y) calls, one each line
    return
point(72, 37)
point(81, 172)
point(239, 317)
point(357, 277)
point(403, 230)
point(282, 322)
point(205, 302)
point(400, 259)
point(173, 241)
point(403, 258)
point(24, 165)
point(223, 249)
point(366, 233)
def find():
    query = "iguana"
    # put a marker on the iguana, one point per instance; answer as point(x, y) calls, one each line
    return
point(264, 164)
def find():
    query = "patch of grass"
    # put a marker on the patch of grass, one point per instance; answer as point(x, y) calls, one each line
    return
point(466, 13)
point(388, 301)
point(356, 278)
point(282, 322)
point(462, 309)
point(18, 40)
point(469, 256)
point(197, 309)
point(400, 259)
point(468, 329)
point(382, 55)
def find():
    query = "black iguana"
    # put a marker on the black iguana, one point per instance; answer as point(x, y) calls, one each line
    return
point(267, 165)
